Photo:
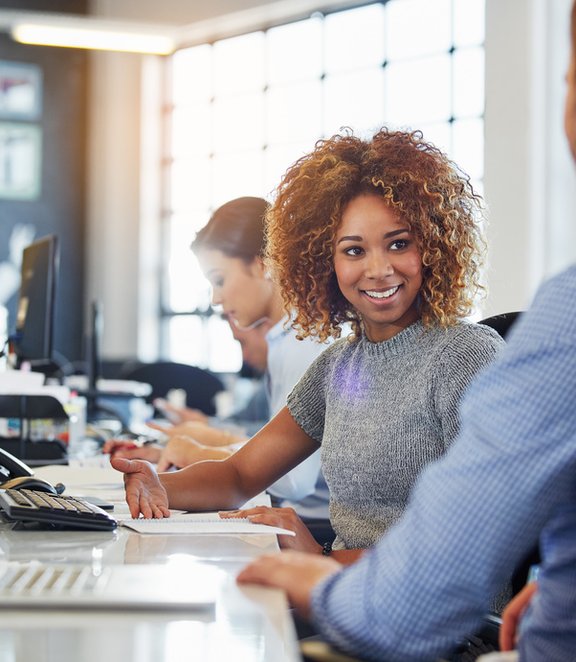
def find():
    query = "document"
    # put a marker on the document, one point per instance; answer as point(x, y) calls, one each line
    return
point(200, 523)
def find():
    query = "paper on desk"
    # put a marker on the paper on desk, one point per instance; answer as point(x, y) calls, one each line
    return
point(201, 523)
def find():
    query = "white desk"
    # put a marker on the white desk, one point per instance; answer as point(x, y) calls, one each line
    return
point(247, 625)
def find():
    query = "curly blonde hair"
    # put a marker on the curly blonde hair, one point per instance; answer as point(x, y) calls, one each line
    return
point(418, 181)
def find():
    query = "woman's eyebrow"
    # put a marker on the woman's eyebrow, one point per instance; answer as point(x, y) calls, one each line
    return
point(392, 233)
point(349, 238)
point(395, 233)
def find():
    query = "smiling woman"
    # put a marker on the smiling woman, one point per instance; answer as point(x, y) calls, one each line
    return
point(381, 233)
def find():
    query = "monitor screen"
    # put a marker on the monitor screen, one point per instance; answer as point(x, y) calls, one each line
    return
point(35, 312)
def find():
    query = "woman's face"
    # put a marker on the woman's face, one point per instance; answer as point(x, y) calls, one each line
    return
point(242, 290)
point(378, 266)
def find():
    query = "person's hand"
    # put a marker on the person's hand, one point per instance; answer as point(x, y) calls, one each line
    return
point(132, 451)
point(178, 415)
point(285, 518)
point(181, 451)
point(512, 615)
point(144, 492)
point(294, 572)
point(206, 435)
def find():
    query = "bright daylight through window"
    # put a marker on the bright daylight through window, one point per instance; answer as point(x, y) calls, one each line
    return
point(242, 109)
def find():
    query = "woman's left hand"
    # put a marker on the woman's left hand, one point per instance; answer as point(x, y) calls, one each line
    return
point(285, 518)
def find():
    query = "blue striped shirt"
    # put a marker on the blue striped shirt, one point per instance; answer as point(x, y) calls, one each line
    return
point(475, 513)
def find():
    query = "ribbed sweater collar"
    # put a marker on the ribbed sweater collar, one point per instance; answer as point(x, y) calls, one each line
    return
point(401, 343)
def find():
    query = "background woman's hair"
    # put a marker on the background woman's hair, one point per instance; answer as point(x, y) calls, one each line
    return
point(236, 228)
point(417, 180)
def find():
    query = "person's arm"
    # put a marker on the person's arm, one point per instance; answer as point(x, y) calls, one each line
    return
point(219, 485)
point(206, 435)
point(181, 451)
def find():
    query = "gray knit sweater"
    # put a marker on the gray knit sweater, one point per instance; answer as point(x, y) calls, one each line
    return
point(381, 412)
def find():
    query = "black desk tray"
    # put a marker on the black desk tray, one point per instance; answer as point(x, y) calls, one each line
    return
point(27, 408)
point(37, 453)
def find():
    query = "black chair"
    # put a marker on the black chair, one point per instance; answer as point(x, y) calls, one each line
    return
point(201, 386)
point(502, 323)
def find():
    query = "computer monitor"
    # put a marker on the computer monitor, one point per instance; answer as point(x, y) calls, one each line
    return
point(32, 342)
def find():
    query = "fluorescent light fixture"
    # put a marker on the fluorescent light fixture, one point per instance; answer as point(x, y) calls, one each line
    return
point(92, 37)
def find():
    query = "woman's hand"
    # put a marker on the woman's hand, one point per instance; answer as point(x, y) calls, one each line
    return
point(179, 414)
point(285, 518)
point(144, 492)
point(294, 572)
point(131, 451)
point(181, 451)
point(201, 432)
point(512, 615)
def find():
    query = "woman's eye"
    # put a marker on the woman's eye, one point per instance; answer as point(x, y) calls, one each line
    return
point(354, 251)
point(399, 244)
point(218, 282)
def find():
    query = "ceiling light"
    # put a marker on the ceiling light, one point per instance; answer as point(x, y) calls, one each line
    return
point(44, 35)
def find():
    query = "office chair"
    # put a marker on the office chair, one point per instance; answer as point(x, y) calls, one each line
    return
point(502, 323)
point(201, 386)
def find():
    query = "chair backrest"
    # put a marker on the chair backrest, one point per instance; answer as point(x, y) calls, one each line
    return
point(201, 386)
point(502, 323)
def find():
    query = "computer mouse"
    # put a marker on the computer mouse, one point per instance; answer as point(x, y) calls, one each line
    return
point(28, 483)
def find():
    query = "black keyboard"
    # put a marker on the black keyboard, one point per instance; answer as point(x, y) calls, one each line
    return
point(55, 510)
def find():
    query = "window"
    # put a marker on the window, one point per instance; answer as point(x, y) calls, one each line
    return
point(242, 109)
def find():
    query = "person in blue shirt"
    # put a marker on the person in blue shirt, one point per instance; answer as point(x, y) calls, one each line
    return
point(508, 481)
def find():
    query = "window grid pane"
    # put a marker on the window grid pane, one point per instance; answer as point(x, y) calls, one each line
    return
point(244, 109)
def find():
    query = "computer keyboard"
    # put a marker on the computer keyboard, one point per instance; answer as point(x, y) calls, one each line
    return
point(55, 510)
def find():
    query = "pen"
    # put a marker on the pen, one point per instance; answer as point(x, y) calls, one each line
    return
point(129, 441)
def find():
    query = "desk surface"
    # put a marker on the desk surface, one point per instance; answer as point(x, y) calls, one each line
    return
point(247, 625)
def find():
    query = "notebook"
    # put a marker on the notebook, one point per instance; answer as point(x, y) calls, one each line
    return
point(44, 585)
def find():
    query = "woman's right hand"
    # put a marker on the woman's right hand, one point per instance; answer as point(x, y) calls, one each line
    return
point(145, 494)
point(202, 433)
point(178, 415)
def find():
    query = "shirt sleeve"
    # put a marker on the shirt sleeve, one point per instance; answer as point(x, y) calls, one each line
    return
point(306, 403)
point(475, 513)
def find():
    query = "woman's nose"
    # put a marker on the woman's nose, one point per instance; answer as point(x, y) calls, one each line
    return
point(379, 265)
point(216, 297)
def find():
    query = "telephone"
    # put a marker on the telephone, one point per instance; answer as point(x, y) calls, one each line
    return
point(14, 474)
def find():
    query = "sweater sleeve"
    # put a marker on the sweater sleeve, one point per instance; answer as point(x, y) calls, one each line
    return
point(307, 401)
point(470, 349)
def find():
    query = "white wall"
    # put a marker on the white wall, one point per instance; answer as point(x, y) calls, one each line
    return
point(529, 180)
